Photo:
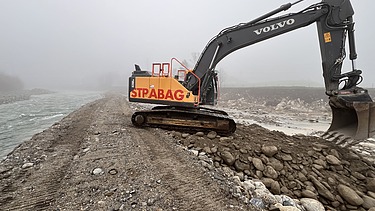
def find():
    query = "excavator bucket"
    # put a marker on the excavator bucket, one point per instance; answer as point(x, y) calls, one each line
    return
point(356, 120)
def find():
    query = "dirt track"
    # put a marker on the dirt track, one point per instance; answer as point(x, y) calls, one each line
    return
point(95, 160)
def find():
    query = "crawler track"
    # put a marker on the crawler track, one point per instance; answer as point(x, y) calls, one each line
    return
point(185, 119)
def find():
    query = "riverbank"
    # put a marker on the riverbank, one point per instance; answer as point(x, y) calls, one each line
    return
point(14, 96)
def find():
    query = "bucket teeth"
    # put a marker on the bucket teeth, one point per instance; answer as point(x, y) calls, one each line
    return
point(340, 139)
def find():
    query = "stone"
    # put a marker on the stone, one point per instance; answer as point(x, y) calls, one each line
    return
point(185, 135)
point(228, 158)
point(302, 177)
point(371, 194)
point(333, 160)
point(358, 176)
point(269, 150)
point(276, 164)
point(286, 208)
point(312, 204)
point(372, 209)
point(211, 135)
point(258, 164)
point(286, 157)
point(322, 190)
point(207, 150)
point(320, 162)
point(371, 184)
point(349, 195)
point(27, 165)
point(368, 202)
point(248, 185)
point(309, 194)
point(270, 172)
point(275, 188)
point(335, 153)
point(240, 166)
point(200, 134)
point(195, 152)
point(97, 171)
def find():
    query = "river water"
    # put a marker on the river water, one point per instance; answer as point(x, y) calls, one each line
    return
point(19, 121)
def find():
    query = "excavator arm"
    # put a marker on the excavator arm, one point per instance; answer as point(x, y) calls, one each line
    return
point(333, 18)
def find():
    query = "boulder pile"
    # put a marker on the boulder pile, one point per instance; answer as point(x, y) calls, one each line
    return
point(271, 170)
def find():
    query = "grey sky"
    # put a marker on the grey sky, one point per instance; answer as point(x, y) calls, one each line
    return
point(68, 43)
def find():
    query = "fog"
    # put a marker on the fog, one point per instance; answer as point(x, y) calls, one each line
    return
point(89, 44)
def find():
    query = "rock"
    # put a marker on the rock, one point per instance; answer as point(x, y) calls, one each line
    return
point(286, 208)
point(269, 150)
point(270, 172)
point(200, 134)
point(267, 182)
point(358, 176)
point(302, 177)
point(286, 157)
point(349, 195)
point(275, 188)
point(320, 162)
point(276, 164)
point(27, 165)
point(240, 166)
point(195, 152)
point(309, 194)
point(333, 160)
point(287, 201)
point(372, 209)
point(258, 164)
point(97, 171)
point(207, 150)
point(335, 153)
point(228, 158)
point(248, 185)
point(371, 194)
point(371, 184)
point(185, 135)
point(257, 202)
point(322, 190)
point(113, 171)
point(211, 135)
point(312, 204)
point(368, 202)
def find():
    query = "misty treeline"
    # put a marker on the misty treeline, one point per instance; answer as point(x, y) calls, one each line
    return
point(10, 83)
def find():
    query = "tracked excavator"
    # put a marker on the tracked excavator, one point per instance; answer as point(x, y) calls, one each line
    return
point(183, 92)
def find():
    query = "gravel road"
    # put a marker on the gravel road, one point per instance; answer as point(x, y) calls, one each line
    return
point(94, 159)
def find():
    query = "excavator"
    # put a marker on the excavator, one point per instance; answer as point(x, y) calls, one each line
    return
point(181, 93)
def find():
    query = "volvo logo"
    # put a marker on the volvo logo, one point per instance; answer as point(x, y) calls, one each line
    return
point(275, 26)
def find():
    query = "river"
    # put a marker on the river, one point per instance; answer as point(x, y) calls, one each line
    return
point(19, 121)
